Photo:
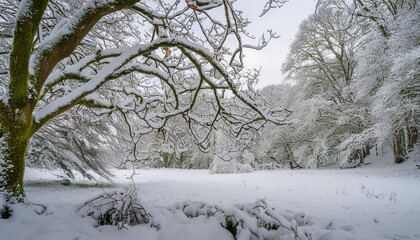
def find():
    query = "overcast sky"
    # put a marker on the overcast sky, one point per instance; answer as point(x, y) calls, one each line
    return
point(285, 21)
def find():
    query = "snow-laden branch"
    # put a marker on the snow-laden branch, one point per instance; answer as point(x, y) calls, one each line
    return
point(67, 34)
point(125, 55)
point(272, 4)
point(121, 65)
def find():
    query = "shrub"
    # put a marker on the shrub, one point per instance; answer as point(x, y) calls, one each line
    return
point(116, 208)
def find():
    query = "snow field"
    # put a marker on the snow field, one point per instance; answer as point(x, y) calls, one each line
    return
point(372, 203)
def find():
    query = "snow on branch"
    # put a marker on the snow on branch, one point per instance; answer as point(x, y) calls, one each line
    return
point(272, 4)
point(114, 69)
point(122, 64)
point(152, 60)
point(67, 34)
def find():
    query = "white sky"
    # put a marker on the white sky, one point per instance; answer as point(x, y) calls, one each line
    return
point(285, 22)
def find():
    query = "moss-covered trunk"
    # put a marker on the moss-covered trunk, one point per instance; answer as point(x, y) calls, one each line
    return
point(13, 145)
point(16, 109)
point(13, 167)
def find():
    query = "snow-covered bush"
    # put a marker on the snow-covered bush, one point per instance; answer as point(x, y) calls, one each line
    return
point(241, 164)
point(116, 208)
point(267, 165)
point(245, 221)
point(220, 166)
point(249, 221)
point(196, 209)
point(258, 221)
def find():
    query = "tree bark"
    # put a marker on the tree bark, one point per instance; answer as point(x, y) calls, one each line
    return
point(12, 168)
point(16, 113)
point(413, 136)
point(16, 133)
point(400, 151)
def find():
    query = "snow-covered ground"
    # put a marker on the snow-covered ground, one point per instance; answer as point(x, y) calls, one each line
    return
point(378, 201)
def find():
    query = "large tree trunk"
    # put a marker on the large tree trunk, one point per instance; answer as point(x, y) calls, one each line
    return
point(12, 167)
point(16, 110)
point(14, 139)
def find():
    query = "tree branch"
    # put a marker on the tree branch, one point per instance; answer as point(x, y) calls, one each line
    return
point(28, 17)
point(65, 38)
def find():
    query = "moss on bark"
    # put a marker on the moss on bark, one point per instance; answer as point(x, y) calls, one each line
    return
point(13, 146)
point(13, 168)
